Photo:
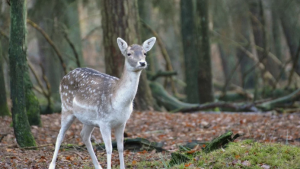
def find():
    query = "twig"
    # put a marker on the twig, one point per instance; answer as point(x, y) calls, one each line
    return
point(73, 48)
point(35, 147)
point(230, 76)
point(60, 57)
point(41, 90)
point(79, 155)
point(47, 85)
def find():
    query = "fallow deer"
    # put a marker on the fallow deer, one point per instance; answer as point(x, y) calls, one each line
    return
point(100, 100)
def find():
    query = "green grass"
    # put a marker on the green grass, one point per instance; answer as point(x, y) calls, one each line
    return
point(249, 154)
point(245, 154)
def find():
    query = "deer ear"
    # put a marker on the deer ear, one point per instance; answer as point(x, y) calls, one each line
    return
point(122, 44)
point(148, 44)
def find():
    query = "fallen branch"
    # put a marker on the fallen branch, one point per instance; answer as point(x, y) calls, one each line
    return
point(285, 99)
point(36, 147)
point(160, 73)
point(220, 141)
point(232, 106)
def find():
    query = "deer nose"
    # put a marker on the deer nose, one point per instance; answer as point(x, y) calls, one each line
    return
point(142, 64)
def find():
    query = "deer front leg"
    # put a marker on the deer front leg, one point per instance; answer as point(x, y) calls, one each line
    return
point(119, 133)
point(106, 136)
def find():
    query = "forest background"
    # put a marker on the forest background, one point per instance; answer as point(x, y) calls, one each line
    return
point(233, 56)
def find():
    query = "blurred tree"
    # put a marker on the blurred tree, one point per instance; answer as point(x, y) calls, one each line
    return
point(4, 20)
point(290, 24)
point(4, 111)
point(205, 86)
point(260, 34)
point(242, 34)
point(60, 21)
point(118, 21)
point(276, 30)
point(189, 41)
point(17, 62)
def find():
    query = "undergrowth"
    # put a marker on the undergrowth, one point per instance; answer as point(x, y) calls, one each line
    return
point(245, 154)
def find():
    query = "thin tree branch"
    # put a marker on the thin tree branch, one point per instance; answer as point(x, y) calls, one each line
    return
point(90, 33)
point(73, 49)
point(60, 57)
point(42, 90)
point(163, 51)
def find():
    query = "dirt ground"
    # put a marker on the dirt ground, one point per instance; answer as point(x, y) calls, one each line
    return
point(170, 129)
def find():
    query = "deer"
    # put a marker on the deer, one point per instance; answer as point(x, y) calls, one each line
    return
point(99, 100)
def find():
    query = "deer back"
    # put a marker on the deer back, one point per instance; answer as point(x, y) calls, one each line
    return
point(87, 87)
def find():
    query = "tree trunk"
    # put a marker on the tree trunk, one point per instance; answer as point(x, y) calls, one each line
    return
point(118, 21)
point(4, 111)
point(189, 41)
point(290, 25)
point(205, 86)
point(17, 58)
point(258, 23)
point(32, 104)
point(276, 31)
point(242, 35)
point(4, 20)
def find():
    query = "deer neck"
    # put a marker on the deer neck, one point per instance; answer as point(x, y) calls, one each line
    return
point(126, 88)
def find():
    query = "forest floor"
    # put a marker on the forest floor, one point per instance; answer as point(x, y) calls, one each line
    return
point(170, 129)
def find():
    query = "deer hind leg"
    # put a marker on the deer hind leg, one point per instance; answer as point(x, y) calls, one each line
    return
point(66, 122)
point(119, 133)
point(106, 136)
point(86, 138)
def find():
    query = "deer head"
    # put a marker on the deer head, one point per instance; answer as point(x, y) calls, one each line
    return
point(135, 55)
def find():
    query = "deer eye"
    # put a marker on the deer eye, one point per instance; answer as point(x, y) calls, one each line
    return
point(128, 54)
point(145, 54)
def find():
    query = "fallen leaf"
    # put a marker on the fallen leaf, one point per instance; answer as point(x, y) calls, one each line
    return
point(187, 165)
point(134, 162)
point(68, 158)
point(246, 163)
point(265, 166)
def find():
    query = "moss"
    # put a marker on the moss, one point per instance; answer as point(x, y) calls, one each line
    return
point(33, 109)
point(274, 155)
point(22, 131)
point(178, 158)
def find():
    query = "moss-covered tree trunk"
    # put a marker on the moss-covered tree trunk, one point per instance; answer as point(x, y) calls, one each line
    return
point(32, 103)
point(120, 19)
point(4, 111)
point(205, 86)
point(189, 41)
point(17, 62)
